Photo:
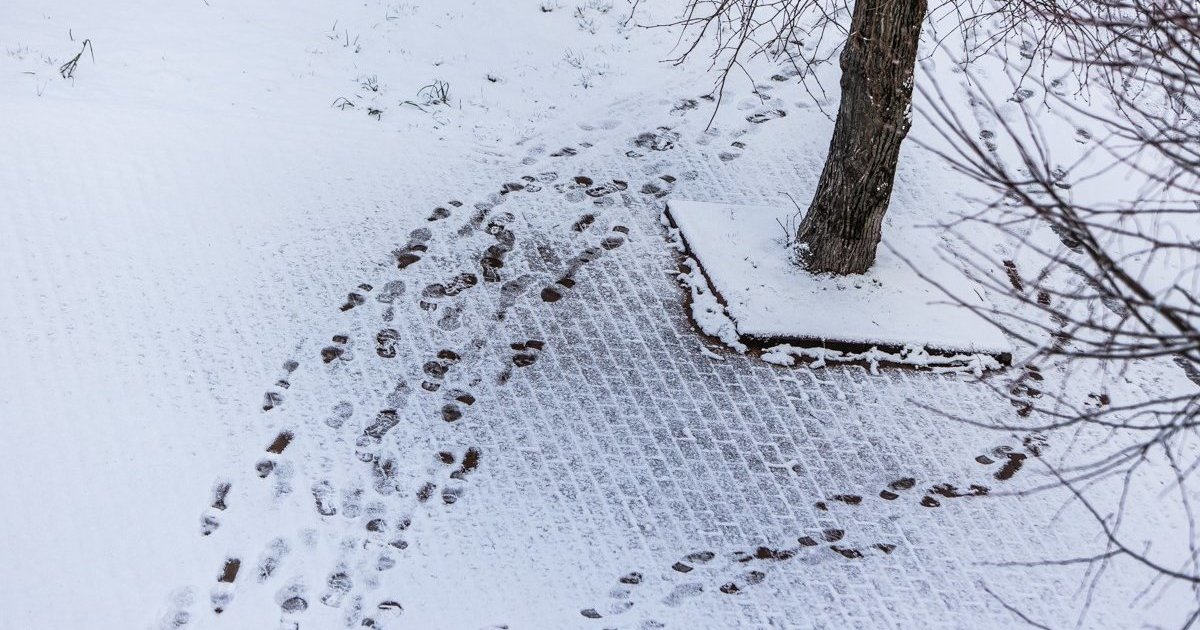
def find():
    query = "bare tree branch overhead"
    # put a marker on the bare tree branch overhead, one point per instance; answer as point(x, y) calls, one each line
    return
point(1118, 283)
point(876, 42)
point(1126, 75)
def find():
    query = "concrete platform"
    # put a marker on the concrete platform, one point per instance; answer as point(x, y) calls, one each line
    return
point(750, 266)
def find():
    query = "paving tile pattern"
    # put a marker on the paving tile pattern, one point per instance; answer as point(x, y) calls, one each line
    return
point(621, 477)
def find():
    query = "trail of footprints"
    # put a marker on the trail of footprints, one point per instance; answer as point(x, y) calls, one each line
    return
point(745, 568)
point(382, 530)
point(578, 188)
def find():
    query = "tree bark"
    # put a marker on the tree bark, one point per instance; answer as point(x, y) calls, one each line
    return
point(842, 228)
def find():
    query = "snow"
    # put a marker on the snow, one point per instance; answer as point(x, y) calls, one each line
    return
point(901, 301)
point(183, 223)
point(913, 356)
point(707, 311)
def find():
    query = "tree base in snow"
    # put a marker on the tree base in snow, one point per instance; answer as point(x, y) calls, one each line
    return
point(747, 257)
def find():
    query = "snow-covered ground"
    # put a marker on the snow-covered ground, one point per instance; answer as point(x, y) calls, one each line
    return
point(290, 336)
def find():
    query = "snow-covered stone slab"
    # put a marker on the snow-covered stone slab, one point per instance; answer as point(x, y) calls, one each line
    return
point(743, 253)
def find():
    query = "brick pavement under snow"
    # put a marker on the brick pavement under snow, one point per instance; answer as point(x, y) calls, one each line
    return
point(514, 423)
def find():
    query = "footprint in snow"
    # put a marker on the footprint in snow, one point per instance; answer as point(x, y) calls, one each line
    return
point(338, 350)
point(762, 117)
point(556, 291)
point(660, 188)
point(661, 139)
point(510, 291)
point(607, 188)
point(389, 295)
point(337, 587)
point(272, 558)
point(210, 521)
point(453, 409)
point(442, 212)
point(222, 594)
point(356, 298)
point(410, 253)
point(436, 369)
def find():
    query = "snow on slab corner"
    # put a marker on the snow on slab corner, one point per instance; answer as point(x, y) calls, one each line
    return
point(707, 311)
point(913, 356)
point(743, 252)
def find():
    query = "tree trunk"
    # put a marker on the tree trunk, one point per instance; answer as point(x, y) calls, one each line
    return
point(841, 230)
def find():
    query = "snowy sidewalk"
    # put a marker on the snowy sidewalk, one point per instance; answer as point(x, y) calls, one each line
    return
point(515, 424)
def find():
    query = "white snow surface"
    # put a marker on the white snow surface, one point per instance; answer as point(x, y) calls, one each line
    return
point(744, 251)
point(217, 367)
